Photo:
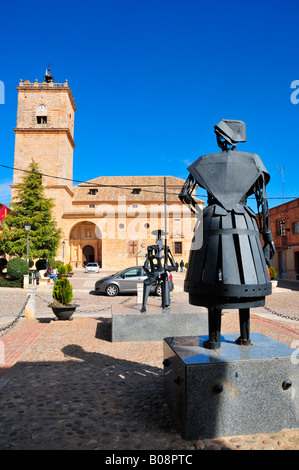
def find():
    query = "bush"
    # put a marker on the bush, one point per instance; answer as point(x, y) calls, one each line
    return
point(63, 291)
point(10, 282)
point(69, 267)
point(16, 268)
point(41, 264)
point(273, 273)
point(62, 269)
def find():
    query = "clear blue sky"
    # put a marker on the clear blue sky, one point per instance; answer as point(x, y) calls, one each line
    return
point(151, 78)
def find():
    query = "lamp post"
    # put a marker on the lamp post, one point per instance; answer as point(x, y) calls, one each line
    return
point(27, 228)
point(63, 244)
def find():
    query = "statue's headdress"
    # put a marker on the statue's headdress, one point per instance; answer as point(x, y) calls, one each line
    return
point(230, 132)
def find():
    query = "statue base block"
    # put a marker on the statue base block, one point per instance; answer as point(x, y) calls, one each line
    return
point(180, 319)
point(234, 390)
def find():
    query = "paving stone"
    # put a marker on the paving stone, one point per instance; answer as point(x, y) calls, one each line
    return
point(70, 387)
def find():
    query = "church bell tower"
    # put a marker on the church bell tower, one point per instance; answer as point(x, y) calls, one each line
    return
point(45, 133)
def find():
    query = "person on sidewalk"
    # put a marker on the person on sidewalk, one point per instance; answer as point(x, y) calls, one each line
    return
point(50, 273)
point(182, 266)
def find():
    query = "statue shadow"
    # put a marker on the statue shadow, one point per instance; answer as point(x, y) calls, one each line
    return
point(128, 395)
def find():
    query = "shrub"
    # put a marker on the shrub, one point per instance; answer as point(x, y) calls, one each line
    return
point(58, 263)
point(41, 264)
point(62, 269)
point(273, 273)
point(16, 268)
point(10, 282)
point(69, 267)
point(63, 291)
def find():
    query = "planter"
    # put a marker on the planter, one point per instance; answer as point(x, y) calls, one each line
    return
point(274, 284)
point(63, 312)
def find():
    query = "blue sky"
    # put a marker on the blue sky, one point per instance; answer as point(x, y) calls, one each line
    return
point(151, 79)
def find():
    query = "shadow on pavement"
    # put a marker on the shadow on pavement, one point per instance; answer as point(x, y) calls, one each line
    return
point(288, 284)
point(88, 401)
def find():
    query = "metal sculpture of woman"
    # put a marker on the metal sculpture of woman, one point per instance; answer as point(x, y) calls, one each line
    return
point(155, 270)
point(230, 269)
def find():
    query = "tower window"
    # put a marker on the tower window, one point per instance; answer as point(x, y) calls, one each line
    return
point(41, 119)
point(136, 190)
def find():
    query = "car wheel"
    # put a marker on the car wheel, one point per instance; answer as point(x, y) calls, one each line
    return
point(158, 290)
point(111, 290)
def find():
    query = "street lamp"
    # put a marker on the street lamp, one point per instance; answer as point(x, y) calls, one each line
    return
point(63, 244)
point(27, 228)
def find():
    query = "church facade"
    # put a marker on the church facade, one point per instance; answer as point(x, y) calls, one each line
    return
point(108, 220)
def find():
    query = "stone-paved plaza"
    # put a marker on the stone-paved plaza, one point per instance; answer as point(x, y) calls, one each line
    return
point(65, 385)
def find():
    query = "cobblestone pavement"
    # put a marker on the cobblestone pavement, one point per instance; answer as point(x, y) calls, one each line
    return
point(67, 386)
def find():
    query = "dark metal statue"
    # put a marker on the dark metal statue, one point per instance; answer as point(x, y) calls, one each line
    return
point(157, 271)
point(230, 269)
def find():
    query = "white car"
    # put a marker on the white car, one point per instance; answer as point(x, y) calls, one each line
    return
point(92, 268)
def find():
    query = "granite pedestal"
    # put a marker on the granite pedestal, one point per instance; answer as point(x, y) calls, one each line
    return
point(234, 390)
point(180, 319)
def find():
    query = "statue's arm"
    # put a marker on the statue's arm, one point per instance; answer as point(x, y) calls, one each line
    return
point(263, 210)
point(186, 192)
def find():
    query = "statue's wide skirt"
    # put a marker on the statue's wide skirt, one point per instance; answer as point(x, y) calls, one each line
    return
point(229, 270)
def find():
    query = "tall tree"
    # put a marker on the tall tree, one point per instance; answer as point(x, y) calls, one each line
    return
point(34, 207)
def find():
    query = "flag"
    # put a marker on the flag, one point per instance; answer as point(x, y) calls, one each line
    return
point(3, 213)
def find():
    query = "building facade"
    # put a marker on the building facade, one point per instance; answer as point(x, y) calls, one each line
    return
point(284, 224)
point(108, 220)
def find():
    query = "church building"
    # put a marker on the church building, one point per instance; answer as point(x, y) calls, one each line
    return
point(108, 220)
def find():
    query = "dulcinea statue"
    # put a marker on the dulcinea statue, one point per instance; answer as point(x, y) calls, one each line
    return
point(230, 270)
point(158, 263)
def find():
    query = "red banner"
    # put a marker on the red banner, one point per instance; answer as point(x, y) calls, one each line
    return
point(3, 213)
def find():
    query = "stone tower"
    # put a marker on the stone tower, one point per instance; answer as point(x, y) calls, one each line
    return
point(45, 133)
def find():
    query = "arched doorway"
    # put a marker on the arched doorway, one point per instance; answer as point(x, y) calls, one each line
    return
point(88, 254)
point(85, 245)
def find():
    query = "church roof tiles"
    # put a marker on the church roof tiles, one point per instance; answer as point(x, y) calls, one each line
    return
point(109, 188)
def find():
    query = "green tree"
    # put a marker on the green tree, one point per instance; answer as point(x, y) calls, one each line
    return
point(34, 207)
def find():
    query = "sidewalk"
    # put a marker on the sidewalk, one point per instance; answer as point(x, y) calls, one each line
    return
point(65, 385)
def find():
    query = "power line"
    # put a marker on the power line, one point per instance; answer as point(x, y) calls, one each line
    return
point(89, 184)
point(101, 185)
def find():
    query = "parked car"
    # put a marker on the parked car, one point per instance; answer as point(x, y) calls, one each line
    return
point(92, 268)
point(126, 281)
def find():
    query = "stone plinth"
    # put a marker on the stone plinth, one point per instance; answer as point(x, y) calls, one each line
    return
point(232, 391)
point(129, 324)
